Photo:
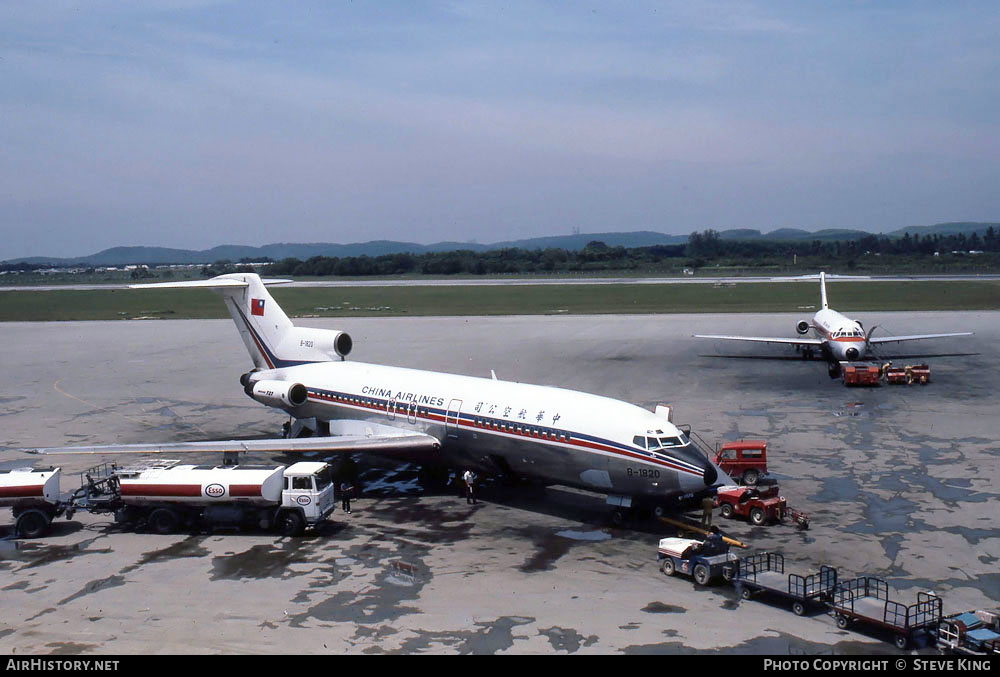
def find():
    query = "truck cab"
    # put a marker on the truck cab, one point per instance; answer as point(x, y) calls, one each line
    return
point(308, 491)
point(744, 460)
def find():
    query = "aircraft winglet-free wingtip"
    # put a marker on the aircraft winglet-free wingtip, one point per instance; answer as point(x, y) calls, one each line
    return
point(220, 282)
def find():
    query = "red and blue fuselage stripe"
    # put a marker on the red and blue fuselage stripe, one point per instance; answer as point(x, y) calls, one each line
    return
point(573, 439)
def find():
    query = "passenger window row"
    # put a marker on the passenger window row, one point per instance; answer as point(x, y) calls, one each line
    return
point(521, 429)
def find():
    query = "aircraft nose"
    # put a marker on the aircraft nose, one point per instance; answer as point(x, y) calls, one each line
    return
point(712, 476)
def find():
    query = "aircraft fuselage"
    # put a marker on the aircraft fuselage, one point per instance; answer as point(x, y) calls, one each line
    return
point(552, 434)
point(843, 338)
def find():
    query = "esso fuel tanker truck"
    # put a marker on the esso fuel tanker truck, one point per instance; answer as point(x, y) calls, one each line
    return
point(167, 496)
point(33, 496)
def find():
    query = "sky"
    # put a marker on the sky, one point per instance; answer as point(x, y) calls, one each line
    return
point(190, 124)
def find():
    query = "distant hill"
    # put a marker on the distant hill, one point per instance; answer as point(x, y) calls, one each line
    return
point(954, 228)
point(792, 234)
point(119, 256)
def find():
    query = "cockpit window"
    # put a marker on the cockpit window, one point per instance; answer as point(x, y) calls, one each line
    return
point(654, 443)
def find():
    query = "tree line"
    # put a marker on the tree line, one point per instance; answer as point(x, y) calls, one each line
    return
point(702, 249)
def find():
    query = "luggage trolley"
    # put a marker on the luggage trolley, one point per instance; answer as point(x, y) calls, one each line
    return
point(765, 572)
point(866, 599)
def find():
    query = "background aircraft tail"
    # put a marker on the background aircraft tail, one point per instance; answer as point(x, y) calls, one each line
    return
point(269, 336)
point(822, 289)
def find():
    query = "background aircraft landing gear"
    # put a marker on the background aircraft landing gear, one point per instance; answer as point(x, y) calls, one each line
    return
point(834, 370)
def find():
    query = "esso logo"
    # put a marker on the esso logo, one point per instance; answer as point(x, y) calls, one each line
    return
point(215, 491)
point(303, 500)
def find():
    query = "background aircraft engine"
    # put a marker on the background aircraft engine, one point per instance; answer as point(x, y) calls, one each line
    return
point(278, 393)
point(852, 354)
point(315, 345)
point(802, 327)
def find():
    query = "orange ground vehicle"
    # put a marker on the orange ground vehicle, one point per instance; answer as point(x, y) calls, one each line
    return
point(910, 374)
point(860, 374)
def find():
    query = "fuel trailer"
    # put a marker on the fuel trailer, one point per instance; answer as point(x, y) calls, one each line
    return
point(34, 497)
point(166, 496)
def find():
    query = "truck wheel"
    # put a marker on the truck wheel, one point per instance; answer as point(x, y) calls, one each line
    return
point(726, 510)
point(842, 622)
point(701, 574)
point(750, 477)
point(901, 641)
point(290, 524)
point(757, 516)
point(798, 608)
point(667, 567)
point(746, 592)
point(32, 524)
point(163, 521)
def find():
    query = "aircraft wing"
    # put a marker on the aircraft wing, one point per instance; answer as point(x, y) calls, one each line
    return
point(766, 339)
point(403, 442)
point(915, 337)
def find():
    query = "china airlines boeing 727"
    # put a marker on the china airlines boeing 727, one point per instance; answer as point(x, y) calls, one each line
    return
point(557, 436)
point(837, 337)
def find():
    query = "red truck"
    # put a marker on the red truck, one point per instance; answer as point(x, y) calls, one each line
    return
point(745, 460)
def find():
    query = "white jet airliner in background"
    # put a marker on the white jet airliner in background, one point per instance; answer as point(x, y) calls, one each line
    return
point(837, 337)
point(557, 436)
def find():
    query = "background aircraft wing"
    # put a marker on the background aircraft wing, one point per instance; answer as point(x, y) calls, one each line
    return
point(765, 339)
point(915, 337)
point(403, 442)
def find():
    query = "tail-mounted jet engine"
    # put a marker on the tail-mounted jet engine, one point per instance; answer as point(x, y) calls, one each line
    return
point(314, 345)
point(278, 393)
point(802, 327)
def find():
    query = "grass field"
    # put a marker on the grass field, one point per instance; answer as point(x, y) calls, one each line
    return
point(109, 304)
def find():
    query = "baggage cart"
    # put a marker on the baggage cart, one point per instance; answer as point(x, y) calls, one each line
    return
point(866, 599)
point(765, 572)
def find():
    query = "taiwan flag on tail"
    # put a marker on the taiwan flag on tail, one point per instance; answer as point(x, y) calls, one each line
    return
point(257, 307)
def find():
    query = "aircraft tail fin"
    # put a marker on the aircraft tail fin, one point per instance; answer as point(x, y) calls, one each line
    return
point(822, 289)
point(260, 320)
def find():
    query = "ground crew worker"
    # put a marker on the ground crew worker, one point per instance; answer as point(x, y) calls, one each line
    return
point(706, 511)
point(470, 479)
point(345, 496)
point(714, 543)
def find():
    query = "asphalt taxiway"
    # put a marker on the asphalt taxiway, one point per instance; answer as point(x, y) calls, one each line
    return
point(900, 482)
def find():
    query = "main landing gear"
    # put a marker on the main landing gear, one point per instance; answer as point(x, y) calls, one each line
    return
point(806, 351)
point(294, 428)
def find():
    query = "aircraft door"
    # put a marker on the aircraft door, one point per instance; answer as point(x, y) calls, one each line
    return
point(390, 410)
point(451, 418)
point(411, 413)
